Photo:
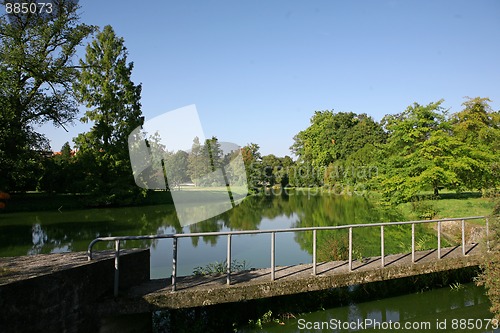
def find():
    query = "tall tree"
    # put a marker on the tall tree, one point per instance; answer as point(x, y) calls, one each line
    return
point(36, 72)
point(478, 126)
point(105, 87)
point(407, 167)
point(477, 123)
point(252, 159)
point(197, 163)
point(270, 166)
point(176, 165)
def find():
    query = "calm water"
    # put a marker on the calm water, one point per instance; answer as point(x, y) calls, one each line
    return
point(52, 232)
point(438, 310)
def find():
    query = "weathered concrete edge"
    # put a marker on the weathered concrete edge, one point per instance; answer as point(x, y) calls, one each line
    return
point(66, 300)
point(239, 292)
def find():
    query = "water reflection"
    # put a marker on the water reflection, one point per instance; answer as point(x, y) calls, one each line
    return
point(439, 305)
point(46, 232)
point(39, 238)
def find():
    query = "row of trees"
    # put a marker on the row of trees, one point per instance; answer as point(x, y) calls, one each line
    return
point(420, 149)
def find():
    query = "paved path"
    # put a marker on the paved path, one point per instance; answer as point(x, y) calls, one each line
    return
point(24, 267)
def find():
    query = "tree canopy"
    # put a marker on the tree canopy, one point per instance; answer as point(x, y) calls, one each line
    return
point(420, 149)
point(105, 87)
point(334, 136)
point(426, 149)
point(36, 73)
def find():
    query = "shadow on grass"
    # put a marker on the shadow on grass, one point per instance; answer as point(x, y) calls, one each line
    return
point(462, 195)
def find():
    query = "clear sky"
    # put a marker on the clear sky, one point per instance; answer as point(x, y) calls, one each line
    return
point(257, 70)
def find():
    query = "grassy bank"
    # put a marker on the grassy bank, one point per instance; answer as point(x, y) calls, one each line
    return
point(449, 204)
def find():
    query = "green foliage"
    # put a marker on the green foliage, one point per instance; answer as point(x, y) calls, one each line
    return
point(217, 268)
point(61, 173)
point(252, 160)
point(177, 166)
point(265, 319)
point(477, 123)
point(200, 163)
point(338, 150)
point(105, 86)
point(333, 249)
point(409, 166)
point(335, 136)
point(424, 207)
point(304, 174)
point(270, 166)
point(425, 151)
point(36, 73)
point(478, 126)
point(490, 278)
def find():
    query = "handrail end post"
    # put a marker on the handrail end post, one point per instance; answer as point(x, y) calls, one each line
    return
point(229, 259)
point(174, 264)
point(117, 267)
point(314, 272)
point(350, 249)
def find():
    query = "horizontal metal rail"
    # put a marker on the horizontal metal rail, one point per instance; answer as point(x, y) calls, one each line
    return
point(273, 232)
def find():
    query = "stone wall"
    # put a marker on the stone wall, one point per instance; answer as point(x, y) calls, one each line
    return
point(64, 300)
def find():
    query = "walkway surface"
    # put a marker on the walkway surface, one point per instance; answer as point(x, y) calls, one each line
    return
point(195, 291)
point(24, 267)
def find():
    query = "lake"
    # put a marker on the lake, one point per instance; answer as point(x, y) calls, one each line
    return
point(53, 231)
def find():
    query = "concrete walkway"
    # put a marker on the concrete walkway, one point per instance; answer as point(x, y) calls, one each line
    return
point(193, 291)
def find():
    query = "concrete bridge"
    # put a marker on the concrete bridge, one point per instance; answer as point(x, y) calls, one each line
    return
point(194, 291)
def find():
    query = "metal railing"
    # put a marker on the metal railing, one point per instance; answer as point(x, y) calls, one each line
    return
point(273, 232)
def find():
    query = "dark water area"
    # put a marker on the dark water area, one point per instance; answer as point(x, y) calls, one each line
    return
point(463, 308)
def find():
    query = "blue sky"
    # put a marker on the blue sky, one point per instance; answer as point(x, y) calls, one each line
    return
point(257, 70)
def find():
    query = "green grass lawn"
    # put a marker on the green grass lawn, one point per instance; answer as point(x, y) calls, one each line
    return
point(449, 205)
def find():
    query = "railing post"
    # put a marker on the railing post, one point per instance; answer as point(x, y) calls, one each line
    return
point(117, 267)
point(487, 235)
point(174, 264)
point(413, 243)
point(314, 252)
point(273, 238)
point(228, 278)
point(463, 237)
point(350, 249)
point(382, 259)
point(439, 240)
